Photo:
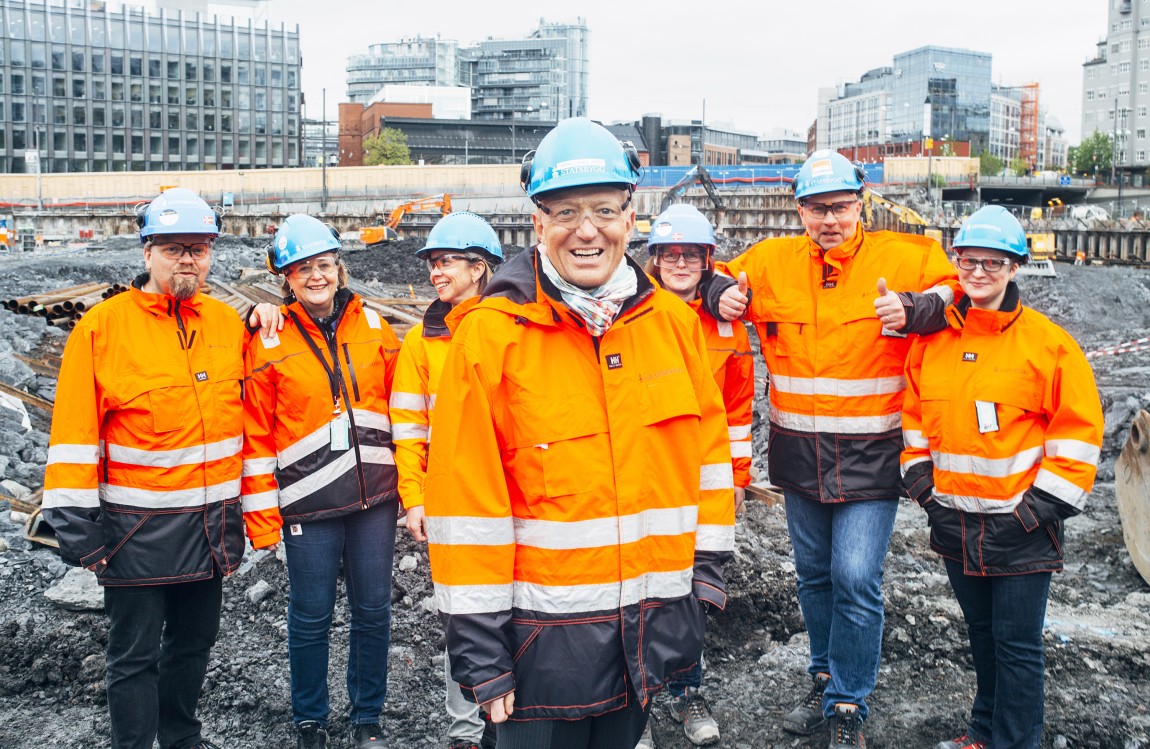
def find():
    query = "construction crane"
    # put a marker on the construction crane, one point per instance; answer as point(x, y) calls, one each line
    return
point(387, 231)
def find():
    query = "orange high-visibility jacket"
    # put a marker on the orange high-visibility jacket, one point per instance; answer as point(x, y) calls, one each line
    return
point(144, 458)
point(1003, 431)
point(292, 470)
point(413, 395)
point(579, 497)
point(836, 381)
point(733, 365)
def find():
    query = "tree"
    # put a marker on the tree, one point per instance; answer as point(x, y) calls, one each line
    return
point(989, 165)
point(1019, 167)
point(1093, 156)
point(389, 147)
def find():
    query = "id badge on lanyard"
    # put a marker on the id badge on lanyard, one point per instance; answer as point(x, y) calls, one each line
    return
point(340, 433)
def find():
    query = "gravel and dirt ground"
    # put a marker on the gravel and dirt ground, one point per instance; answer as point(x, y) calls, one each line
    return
point(1098, 625)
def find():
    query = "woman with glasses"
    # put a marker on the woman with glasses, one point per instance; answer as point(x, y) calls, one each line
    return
point(319, 473)
point(681, 246)
point(1002, 428)
point(461, 252)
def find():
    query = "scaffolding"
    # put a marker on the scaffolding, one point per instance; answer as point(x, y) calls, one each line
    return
point(1028, 126)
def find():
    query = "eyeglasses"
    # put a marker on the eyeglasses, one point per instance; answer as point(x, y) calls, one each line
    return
point(669, 258)
point(447, 260)
point(176, 250)
point(602, 215)
point(304, 270)
point(988, 264)
point(820, 210)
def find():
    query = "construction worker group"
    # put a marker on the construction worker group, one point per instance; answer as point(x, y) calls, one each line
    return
point(569, 431)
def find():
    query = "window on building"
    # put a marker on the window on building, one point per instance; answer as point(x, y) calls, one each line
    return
point(209, 148)
point(60, 141)
point(191, 96)
point(261, 101)
point(173, 70)
point(155, 93)
point(173, 95)
point(136, 117)
point(117, 143)
point(243, 149)
point(39, 85)
point(39, 58)
point(17, 83)
point(259, 74)
point(173, 119)
point(192, 145)
point(117, 63)
point(209, 97)
point(191, 71)
point(225, 122)
point(172, 39)
point(225, 72)
point(226, 98)
point(173, 145)
point(79, 142)
point(209, 72)
point(155, 68)
point(117, 115)
point(155, 146)
point(242, 73)
point(155, 119)
point(79, 88)
point(79, 61)
point(1090, 94)
point(99, 143)
point(98, 116)
point(59, 114)
point(209, 122)
point(136, 92)
point(261, 123)
point(137, 144)
point(262, 151)
point(18, 112)
point(117, 91)
point(192, 120)
point(1140, 133)
point(136, 65)
point(243, 46)
point(1144, 64)
point(1141, 156)
point(1142, 111)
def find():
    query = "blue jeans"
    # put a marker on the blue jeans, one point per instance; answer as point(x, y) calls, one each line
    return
point(839, 553)
point(365, 543)
point(1004, 617)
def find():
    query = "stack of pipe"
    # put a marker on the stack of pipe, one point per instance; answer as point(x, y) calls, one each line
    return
point(63, 307)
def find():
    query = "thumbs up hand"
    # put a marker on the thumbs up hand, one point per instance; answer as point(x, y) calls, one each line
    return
point(888, 307)
point(733, 302)
point(743, 283)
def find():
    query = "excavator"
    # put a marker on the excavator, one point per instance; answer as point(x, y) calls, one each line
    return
point(697, 173)
point(387, 231)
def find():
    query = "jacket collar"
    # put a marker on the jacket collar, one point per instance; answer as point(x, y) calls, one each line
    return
point(160, 304)
point(962, 316)
point(345, 301)
point(836, 256)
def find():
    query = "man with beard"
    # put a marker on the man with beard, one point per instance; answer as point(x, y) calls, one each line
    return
point(143, 478)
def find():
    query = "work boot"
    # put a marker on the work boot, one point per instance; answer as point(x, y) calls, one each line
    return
point(311, 735)
point(367, 736)
point(647, 740)
point(691, 711)
point(847, 732)
point(808, 718)
point(962, 742)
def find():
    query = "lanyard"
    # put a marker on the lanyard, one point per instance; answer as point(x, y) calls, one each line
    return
point(334, 377)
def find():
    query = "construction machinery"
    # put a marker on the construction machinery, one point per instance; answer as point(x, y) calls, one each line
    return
point(1041, 246)
point(387, 231)
point(905, 214)
point(1132, 487)
point(696, 174)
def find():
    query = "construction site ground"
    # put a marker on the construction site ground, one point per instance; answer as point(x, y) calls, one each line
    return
point(1098, 622)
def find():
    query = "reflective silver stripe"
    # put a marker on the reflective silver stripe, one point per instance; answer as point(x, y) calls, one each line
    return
point(978, 504)
point(1083, 452)
point(740, 449)
point(261, 501)
point(945, 292)
point(905, 467)
point(473, 599)
point(840, 388)
point(75, 454)
point(470, 530)
point(431, 402)
point(305, 446)
point(915, 438)
point(409, 432)
point(715, 538)
point(70, 498)
point(259, 466)
point(739, 432)
point(376, 455)
point(1067, 491)
point(716, 476)
point(371, 419)
point(997, 468)
point(373, 320)
point(408, 401)
point(317, 479)
point(836, 424)
point(602, 532)
point(184, 456)
point(159, 500)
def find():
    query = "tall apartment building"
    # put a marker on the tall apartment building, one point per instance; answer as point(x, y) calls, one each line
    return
point(97, 87)
point(542, 77)
point(1116, 84)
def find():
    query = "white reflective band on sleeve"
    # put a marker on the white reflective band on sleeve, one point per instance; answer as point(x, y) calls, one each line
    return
point(431, 402)
point(913, 462)
point(147, 499)
point(305, 446)
point(1083, 452)
point(716, 476)
point(740, 449)
point(372, 318)
point(371, 419)
point(75, 454)
point(467, 530)
point(376, 455)
point(71, 498)
point(740, 432)
point(915, 438)
point(945, 292)
point(998, 468)
point(259, 466)
point(836, 424)
point(978, 504)
point(715, 538)
point(473, 599)
point(185, 456)
point(840, 388)
point(1067, 491)
point(318, 479)
point(408, 401)
point(409, 432)
point(603, 532)
point(261, 501)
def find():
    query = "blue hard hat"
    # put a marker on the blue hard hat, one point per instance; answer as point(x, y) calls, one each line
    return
point(992, 227)
point(681, 224)
point(578, 153)
point(301, 236)
point(828, 171)
point(177, 211)
point(463, 231)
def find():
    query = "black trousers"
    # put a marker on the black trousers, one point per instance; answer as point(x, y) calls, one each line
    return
point(159, 641)
point(618, 729)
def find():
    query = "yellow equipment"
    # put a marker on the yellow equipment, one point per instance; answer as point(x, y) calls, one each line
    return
point(1041, 246)
point(372, 236)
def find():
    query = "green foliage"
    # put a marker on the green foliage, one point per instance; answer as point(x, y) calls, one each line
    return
point(1019, 167)
point(989, 165)
point(946, 149)
point(1093, 156)
point(389, 147)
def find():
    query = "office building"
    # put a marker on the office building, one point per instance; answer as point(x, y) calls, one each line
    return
point(1116, 85)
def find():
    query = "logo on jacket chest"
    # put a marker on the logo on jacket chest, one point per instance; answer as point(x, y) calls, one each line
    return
point(969, 356)
point(201, 376)
point(614, 361)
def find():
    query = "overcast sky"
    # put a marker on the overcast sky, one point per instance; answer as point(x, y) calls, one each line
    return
point(757, 65)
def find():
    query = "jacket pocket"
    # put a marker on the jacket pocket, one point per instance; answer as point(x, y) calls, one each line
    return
point(172, 408)
point(556, 444)
point(672, 637)
point(567, 663)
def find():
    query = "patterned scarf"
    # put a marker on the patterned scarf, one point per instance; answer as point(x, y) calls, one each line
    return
point(600, 306)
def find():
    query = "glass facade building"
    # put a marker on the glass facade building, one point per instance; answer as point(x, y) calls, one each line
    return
point(957, 83)
point(415, 61)
point(121, 88)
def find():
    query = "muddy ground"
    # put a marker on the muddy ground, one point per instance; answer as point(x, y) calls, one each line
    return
point(1098, 624)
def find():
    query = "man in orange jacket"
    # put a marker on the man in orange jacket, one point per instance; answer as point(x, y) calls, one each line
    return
point(835, 355)
point(579, 497)
point(143, 479)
